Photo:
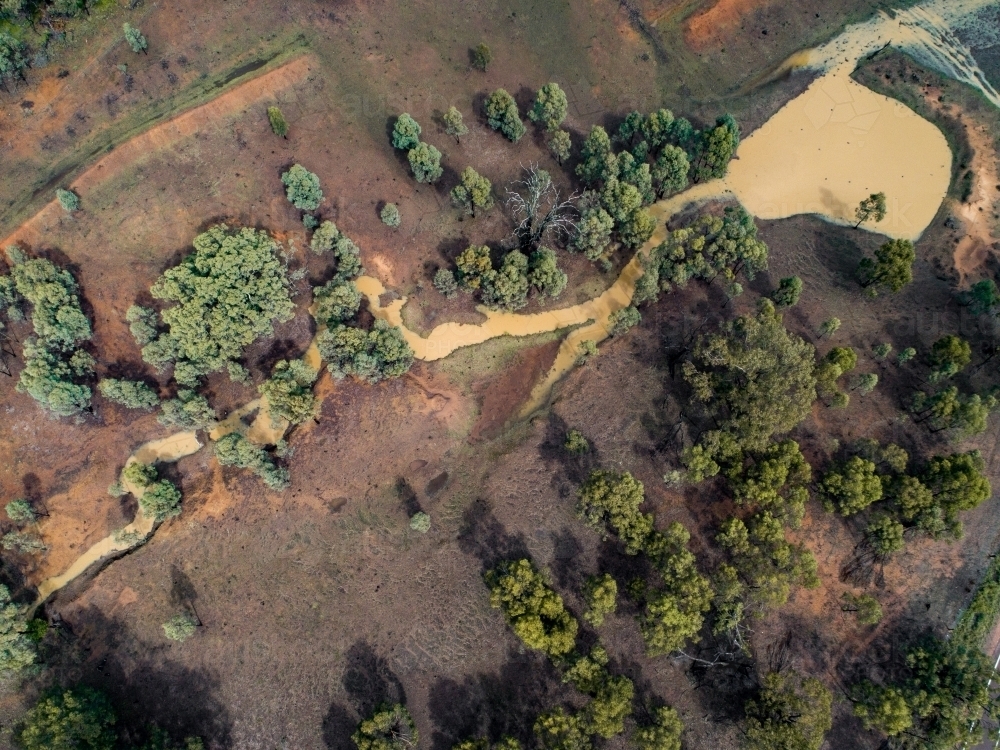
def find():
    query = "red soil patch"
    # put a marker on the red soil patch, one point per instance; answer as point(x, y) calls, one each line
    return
point(711, 27)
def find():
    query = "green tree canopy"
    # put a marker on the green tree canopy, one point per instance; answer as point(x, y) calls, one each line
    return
point(302, 188)
point(77, 719)
point(289, 391)
point(788, 292)
point(790, 713)
point(425, 163)
point(135, 38)
point(13, 58)
point(502, 115)
point(17, 650)
point(550, 106)
point(228, 293)
point(473, 193)
point(892, 267)
point(336, 302)
point(453, 124)
point(389, 728)
point(754, 377)
point(663, 734)
point(235, 450)
point(983, 297)
point(132, 394)
point(715, 148)
point(533, 610)
point(949, 356)
point(161, 500)
point(600, 593)
point(371, 356)
point(852, 487)
point(406, 132)
point(544, 273)
point(189, 411)
point(279, 126)
point(872, 207)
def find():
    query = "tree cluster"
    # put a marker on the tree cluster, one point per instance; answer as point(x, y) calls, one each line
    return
point(502, 115)
point(936, 700)
point(790, 711)
point(711, 246)
point(54, 363)
point(425, 160)
point(507, 287)
point(132, 394)
point(389, 728)
point(302, 188)
point(158, 498)
point(373, 355)
point(289, 391)
point(675, 602)
point(227, 294)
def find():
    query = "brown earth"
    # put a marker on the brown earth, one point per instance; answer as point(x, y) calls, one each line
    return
point(318, 602)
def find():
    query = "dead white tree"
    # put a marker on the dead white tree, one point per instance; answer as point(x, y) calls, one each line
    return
point(538, 209)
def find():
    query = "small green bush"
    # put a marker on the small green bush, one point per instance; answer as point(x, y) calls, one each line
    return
point(481, 57)
point(68, 200)
point(622, 320)
point(23, 542)
point(135, 38)
point(180, 627)
point(444, 282)
point(132, 394)
point(20, 511)
point(161, 500)
point(189, 411)
point(390, 215)
point(420, 522)
point(389, 728)
point(324, 238)
point(139, 474)
point(235, 450)
point(600, 593)
point(277, 120)
point(576, 443)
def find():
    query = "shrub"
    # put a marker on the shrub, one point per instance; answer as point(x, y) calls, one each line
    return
point(277, 120)
point(444, 282)
point(302, 188)
point(161, 500)
point(788, 292)
point(309, 221)
point(25, 543)
point(481, 57)
point(600, 594)
point(390, 215)
point(473, 265)
point(576, 443)
point(502, 115)
point(425, 163)
point(81, 718)
point(235, 450)
point(139, 474)
point(866, 607)
point(132, 394)
point(420, 522)
point(20, 511)
point(371, 356)
point(135, 38)
point(289, 391)
point(189, 411)
point(68, 200)
point(180, 627)
point(229, 292)
point(405, 133)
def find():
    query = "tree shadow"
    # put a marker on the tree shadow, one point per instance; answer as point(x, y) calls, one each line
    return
point(182, 591)
point(407, 496)
point(144, 684)
point(486, 538)
point(504, 703)
point(566, 562)
point(569, 470)
point(369, 681)
point(338, 726)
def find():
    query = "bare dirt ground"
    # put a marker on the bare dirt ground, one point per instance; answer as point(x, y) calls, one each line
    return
point(319, 602)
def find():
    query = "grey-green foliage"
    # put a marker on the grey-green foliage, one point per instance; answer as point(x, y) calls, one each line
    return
point(788, 292)
point(68, 200)
point(279, 126)
point(49, 379)
point(481, 56)
point(453, 123)
point(560, 145)
point(228, 293)
point(77, 719)
point(134, 38)
point(544, 273)
point(289, 391)
point(189, 411)
point(23, 542)
point(17, 651)
point(180, 627)
point(235, 450)
point(406, 132)
point(13, 58)
point(348, 257)
point(715, 147)
point(425, 163)
point(420, 522)
point(474, 192)
point(142, 324)
point(444, 282)
point(20, 511)
point(502, 115)
point(550, 106)
point(507, 288)
point(324, 238)
point(309, 221)
point(622, 320)
point(56, 315)
point(371, 355)
point(390, 215)
point(132, 394)
point(593, 230)
point(160, 500)
point(302, 188)
point(600, 594)
point(336, 301)
point(669, 173)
